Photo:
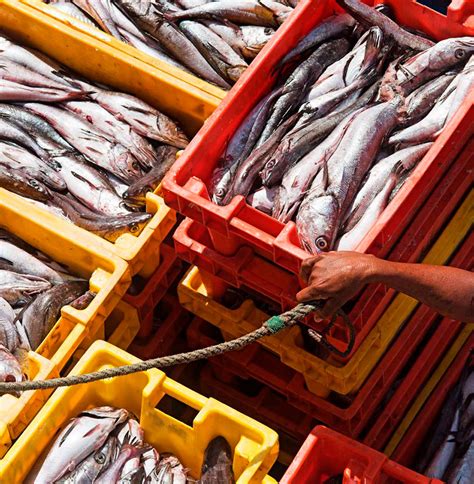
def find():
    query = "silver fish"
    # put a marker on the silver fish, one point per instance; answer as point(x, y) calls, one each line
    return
point(118, 130)
point(216, 51)
point(74, 11)
point(369, 16)
point(9, 337)
point(152, 21)
point(24, 263)
point(42, 314)
point(91, 142)
point(297, 181)
point(112, 474)
point(378, 176)
point(99, 10)
point(90, 468)
point(15, 92)
point(10, 368)
point(19, 287)
point(336, 185)
point(21, 183)
point(264, 12)
point(332, 27)
point(90, 186)
point(429, 64)
point(144, 119)
point(254, 39)
point(82, 435)
point(263, 199)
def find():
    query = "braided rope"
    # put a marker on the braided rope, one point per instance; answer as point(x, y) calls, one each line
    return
point(269, 327)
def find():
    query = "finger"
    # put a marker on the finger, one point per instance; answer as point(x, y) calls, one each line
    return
point(307, 267)
point(308, 294)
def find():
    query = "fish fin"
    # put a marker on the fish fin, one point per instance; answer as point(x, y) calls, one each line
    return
point(325, 175)
point(346, 69)
point(81, 178)
point(275, 18)
point(91, 431)
point(6, 261)
point(137, 110)
point(23, 309)
point(215, 52)
point(68, 431)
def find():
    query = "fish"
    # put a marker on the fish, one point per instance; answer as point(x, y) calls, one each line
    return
point(38, 129)
point(298, 179)
point(22, 262)
point(18, 158)
point(371, 17)
point(10, 368)
point(82, 436)
point(422, 100)
point(90, 141)
point(110, 228)
point(299, 141)
point(13, 133)
point(297, 84)
point(15, 287)
point(463, 471)
point(263, 199)
point(144, 119)
point(9, 337)
point(95, 114)
point(249, 170)
point(152, 21)
point(135, 195)
point(336, 185)
point(240, 146)
point(150, 460)
point(90, 186)
point(265, 13)
point(74, 11)
point(330, 28)
point(428, 128)
point(92, 466)
point(16, 92)
point(176, 469)
point(19, 182)
point(42, 314)
point(354, 236)
point(377, 178)
point(83, 301)
point(112, 474)
point(217, 464)
point(99, 10)
point(216, 51)
point(426, 65)
point(254, 39)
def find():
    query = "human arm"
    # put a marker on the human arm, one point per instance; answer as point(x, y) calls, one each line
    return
point(338, 276)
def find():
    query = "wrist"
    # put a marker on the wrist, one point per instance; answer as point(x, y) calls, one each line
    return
point(374, 270)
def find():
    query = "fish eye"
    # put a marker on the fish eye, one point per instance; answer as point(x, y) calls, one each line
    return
point(271, 164)
point(34, 183)
point(133, 227)
point(459, 53)
point(220, 192)
point(135, 165)
point(268, 31)
point(99, 458)
point(10, 378)
point(322, 243)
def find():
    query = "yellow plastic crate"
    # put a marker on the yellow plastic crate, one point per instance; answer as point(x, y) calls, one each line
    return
point(428, 389)
point(108, 277)
point(213, 93)
point(255, 447)
point(97, 58)
point(322, 376)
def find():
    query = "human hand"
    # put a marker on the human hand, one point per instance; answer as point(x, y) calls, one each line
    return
point(335, 277)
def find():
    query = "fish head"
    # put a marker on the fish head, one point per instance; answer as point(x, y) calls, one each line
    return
point(317, 223)
point(126, 164)
point(255, 38)
point(10, 367)
point(135, 195)
point(170, 132)
point(450, 52)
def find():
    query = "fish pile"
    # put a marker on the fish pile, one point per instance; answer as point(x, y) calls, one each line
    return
point(106, 445)
point(33, 289)
point(360, 104)
point(215, 40)
point(79, 150)
point(449, 451)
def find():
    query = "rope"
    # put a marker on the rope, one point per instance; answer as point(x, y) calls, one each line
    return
point(269, 327)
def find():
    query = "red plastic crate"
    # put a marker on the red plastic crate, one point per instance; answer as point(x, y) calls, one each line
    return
point(155, 288)
point(246, 268)
point(413, 440)
point(326, 453)
point(169, 320)
point(258, 401)
point(237, 224)
point(350, 415)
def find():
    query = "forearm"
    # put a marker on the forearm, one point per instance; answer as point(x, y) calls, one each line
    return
point(448, 290)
